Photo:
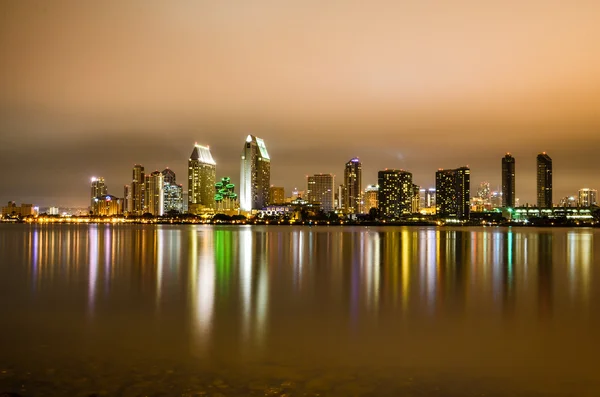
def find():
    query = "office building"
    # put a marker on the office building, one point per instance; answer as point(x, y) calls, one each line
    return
point(416, 199)
point(453, 193)
point(508, 181)
point(137, 190)
point(127, 200)
point(202, 175)
point(255, 175)
point(154, 194)
point(352, 195)
point(107, 205)
point(172, 192)
point(371, 198)
point(395, 193)
point(98, 189)
point(276, 195)
point(544, 181)
point(587, 197)
point(320, 190)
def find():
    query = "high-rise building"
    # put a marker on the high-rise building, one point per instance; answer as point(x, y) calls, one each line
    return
point(137, 190)
point(371, 198)
point(127, 200)
point(107, 205)
point(172, 192)
point(416, 199)
point(321, 190)
point(587, 197)
point(508, 181)
point(255, 175)
point(395, 193)
point(453, 193)
point(98, 189)
point(202, 170)
point(544, 181)
point(154, 194)
point(276, 195)
point(353, 183)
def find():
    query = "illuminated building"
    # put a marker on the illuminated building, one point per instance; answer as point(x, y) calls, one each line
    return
point(395, 193)
point(107, 205)
point(172, 192)
point(427, 198)
point(98, 189)
point(154, 194)
point(276, 195)
point(23, 210)
point(496, 200)
point(453, 193)
point(225, 196)
point(53, 211)
point(416, 199)
point(340, 197)
point(587, 197)
point(371, 198)
point(137, 190)
point(544, 181)
point(568, 201)
point(202, 170)
point(352, 182)
point(127, 200)
point(320, 190)
point(508, 181)
point(255, 175)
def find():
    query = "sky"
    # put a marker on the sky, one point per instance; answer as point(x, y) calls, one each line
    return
point(89, 88)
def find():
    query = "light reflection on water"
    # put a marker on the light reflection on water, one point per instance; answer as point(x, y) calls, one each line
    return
point(480, 301)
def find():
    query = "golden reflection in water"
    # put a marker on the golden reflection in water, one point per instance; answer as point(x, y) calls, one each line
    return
point(580, 251)
point(93, 266)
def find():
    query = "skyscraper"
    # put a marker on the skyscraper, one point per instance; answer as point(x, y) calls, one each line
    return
point(320, 189)
point(202, 170)
point(98, 189)
point(544, 181)
point(453, 193)
point(154, 193)
point(395, 193)
point(508, 181)
point(587, 197)
point(172, 192)
point(127, 200)
point(371, 198)
point(353, 182)
point(137, 190)
point(255, 175)
point(225, 195)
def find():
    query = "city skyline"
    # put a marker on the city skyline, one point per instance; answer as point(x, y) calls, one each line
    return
point(92, 88)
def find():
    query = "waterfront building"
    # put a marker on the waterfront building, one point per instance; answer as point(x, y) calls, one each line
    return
point(544, 181)
point(172, 192)
point(137, 190)
point(320, 190)
point(453, 193)
point(98, 189)
point(416, 199)
point(395, 193)
point(352, 196)
point(276, 195)
point(154, 193)
point(127, 200)
point(23, 210)
point(202, 170)
point(371, 198)
point(255, 175)
point(508, 181)
point(587, 197)
point(107, 205)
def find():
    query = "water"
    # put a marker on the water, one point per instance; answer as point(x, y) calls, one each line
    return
point(298, 311)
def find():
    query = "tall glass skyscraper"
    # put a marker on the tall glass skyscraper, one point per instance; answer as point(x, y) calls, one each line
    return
point(202, 175)
point(154, 194)
point(255, 175)
point(544, 181)
point(508, 181)
point(98, 189)
point(137, 190)
point(353, 186)
point(172, 192)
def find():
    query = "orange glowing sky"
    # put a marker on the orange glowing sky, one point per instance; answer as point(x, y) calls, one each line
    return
point(92, 87)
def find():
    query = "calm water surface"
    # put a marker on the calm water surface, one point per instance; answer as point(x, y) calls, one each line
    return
point(329, 311)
